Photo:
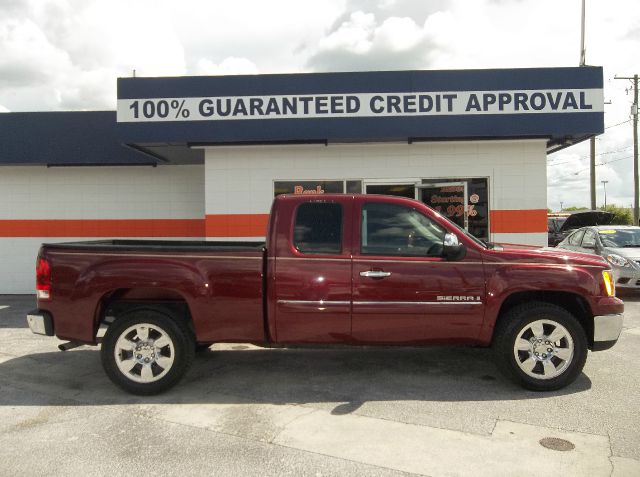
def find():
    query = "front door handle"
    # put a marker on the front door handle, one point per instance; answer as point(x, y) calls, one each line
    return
point(375, 274)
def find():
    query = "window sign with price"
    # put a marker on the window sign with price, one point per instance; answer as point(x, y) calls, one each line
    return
point(449, 199)
point(463, 201)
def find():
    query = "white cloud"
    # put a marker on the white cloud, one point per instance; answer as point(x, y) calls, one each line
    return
point(363, 42)
point(228, 66)
point(353, 35)
point(68, 54)
point(27, 55)
point(275, 35)
point(398, 34)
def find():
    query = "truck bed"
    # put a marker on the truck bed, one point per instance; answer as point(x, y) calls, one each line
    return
point(221, 282)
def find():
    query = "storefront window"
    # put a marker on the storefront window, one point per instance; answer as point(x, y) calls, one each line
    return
point(451, 197)
point(354, 187)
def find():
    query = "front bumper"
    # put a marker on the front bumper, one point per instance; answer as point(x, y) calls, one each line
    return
point(627, 278)
point(606, 331)
point(40, 322)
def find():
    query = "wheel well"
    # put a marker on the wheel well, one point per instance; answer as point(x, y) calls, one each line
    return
point(123, 301)
point(574, 304)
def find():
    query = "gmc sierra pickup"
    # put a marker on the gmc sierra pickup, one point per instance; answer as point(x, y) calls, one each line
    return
point(335, 269)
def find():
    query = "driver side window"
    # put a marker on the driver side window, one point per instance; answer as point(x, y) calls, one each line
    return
point(389, 229)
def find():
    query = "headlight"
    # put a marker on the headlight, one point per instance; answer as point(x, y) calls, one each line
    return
point(609, 285)
point(617, 260)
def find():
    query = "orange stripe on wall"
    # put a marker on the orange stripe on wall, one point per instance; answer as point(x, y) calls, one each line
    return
point(103, 228)
point(237, 225)
point(221, 225)
point(519, 221)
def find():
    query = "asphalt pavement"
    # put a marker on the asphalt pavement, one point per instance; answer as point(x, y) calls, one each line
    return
point(244, 410)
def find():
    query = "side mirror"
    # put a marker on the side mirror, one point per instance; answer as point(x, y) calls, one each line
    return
point(591, 246)
point(452, 248)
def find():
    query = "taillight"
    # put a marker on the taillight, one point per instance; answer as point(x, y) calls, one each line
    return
point(43, 279)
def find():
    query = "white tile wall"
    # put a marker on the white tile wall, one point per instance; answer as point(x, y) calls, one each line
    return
point(18, 260)
point(163, 192)
point(239, 180)
point(37, 192)
point(521, 239)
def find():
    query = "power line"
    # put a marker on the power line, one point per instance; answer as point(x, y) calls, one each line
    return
point(597, 165)
point(614, 160)
point(607, 127)
point(586, 157)
point(614, 125)
point(636, 172)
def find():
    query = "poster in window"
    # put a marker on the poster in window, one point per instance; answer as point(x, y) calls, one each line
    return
point(308, 187)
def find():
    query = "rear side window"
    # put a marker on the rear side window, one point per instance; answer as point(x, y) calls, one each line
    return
point(318, 228)
point(576, 237)
point(589, 240)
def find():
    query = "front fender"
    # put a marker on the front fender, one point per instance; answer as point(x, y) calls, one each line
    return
point(506, 280)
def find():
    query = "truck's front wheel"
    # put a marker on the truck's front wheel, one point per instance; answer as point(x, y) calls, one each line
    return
point(541, 346)
point(147, 351)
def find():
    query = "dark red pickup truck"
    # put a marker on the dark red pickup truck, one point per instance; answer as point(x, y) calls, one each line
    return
point(347, 269)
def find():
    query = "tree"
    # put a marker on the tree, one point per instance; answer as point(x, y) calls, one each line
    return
point(623, 215)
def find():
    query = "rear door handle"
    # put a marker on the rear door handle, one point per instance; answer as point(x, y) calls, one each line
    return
point(375, 274)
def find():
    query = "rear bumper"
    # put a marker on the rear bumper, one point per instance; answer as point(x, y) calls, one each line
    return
point(40, 322)
point(606, 330)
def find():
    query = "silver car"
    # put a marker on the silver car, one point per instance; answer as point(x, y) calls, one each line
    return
point(618, 244)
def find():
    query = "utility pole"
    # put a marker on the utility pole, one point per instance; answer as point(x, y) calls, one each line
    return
point(634, 113)
point(604, 184)
point(592, 140)
point(592, 171)
point(583, 52)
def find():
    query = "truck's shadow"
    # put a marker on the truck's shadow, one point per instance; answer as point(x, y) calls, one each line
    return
point(630, 296)
point(283, 376)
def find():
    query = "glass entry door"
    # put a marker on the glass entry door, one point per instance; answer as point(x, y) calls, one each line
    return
point(402, 190)
point(448, 198)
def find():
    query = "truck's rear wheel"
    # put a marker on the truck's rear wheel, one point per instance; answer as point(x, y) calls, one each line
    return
point(541, 346)
point(147, 351)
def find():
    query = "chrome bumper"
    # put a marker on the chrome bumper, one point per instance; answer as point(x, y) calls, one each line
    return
point(40, 322)
point(606, 330)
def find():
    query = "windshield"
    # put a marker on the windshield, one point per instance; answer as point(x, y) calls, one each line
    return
point(558, 221)
point(620, 238)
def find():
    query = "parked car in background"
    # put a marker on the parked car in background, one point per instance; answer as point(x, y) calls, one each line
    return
point(618, 244)
point(561, 225)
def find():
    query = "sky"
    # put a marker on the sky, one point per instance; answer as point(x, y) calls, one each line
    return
point(67, 54)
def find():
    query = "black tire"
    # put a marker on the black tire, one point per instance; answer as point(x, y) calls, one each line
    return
point(162, 328)
point(555, 370)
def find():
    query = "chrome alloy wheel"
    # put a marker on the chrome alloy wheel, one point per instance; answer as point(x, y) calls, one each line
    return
point(543, 349)
point(144, 353)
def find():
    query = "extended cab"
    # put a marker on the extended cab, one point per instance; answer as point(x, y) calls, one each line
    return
point(335, 269)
